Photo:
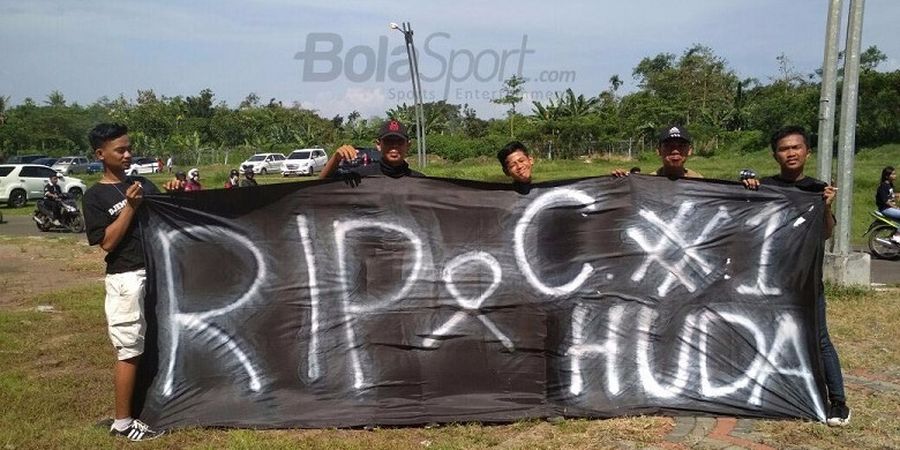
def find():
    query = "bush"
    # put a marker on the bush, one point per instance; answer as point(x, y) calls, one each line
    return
point(458, 148)
point(746, 141)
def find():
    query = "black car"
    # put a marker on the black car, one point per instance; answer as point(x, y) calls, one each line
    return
point(23, 159)
point(49, 162)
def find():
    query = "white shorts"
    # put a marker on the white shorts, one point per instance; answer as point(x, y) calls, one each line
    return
point(125, 312)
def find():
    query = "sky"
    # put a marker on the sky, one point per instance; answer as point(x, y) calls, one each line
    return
point(337, 57)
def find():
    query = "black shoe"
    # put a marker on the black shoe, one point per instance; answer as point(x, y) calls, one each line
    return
point(838, 415)
point(137, 431)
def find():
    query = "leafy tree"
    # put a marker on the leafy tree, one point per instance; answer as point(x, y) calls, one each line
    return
point(871, 58)
point(4, 103)
point(250, 101)
point(513, 90)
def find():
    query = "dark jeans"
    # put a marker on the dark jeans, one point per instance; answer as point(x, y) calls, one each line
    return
point(834, 380)
point(50, 208)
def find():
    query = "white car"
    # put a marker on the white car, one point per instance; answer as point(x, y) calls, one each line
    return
point(71, 164)
point(306, 161)
point(142, 165)
point(22, 182)
point(264, 163)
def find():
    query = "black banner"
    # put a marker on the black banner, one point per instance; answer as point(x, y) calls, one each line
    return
point(409, 301)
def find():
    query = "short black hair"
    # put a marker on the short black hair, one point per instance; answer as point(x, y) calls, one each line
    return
point(508, 149)
point(105, 132)
point(789, 130)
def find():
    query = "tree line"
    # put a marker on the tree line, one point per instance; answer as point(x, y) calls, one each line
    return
point(696, 89)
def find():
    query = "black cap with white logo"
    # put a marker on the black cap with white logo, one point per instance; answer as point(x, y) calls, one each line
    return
point(674, 132)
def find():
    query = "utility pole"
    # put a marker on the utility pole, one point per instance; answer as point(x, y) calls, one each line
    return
point(847, 133)
point(407, 31)
point(828, 97)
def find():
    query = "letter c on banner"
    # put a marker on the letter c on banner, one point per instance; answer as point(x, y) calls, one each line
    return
point(553, 198)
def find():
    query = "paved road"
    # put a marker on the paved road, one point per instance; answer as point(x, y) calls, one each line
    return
point(25, 226)
point(883, 272)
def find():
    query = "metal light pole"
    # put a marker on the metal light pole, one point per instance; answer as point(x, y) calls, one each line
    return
point(847, 135)
point(407, 31)
point(828, 97)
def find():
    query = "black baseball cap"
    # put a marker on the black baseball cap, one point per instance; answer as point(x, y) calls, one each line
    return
point(675, 132)
point(393, 128)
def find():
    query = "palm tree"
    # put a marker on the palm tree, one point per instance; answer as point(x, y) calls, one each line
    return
point(615, 82)
point(56, 99)
point(570, 105)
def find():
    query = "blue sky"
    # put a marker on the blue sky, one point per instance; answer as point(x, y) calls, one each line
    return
point(90, 48)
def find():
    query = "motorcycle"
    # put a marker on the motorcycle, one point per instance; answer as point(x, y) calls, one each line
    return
point(70, 217)
point(880, 232)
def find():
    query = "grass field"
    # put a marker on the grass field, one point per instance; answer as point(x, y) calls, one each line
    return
point(56, 361)
point(723, 166)
point(56, 377)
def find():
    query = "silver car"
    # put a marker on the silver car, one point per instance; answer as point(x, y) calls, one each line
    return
point(71, 164)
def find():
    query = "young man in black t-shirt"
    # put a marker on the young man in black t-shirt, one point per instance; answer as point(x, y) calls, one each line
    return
point(52, 197)
point(392, 142)
point(110, 213)
point(790, 148)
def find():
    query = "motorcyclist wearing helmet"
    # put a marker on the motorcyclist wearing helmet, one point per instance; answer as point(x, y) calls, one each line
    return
point(53, 197)
point(233, 179)
point(248, 178)
point(193, 180)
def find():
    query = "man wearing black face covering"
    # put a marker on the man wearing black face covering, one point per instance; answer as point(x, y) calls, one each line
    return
point(392, 142)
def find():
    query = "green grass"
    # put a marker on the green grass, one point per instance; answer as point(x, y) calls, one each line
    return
point(726, 166)
point(56, 383)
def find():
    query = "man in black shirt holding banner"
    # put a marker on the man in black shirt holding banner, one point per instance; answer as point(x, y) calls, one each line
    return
point(110, 211)
point(790, 148)
point(392, 142)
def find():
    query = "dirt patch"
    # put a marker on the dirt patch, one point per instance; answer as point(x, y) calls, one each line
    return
point(32, 266)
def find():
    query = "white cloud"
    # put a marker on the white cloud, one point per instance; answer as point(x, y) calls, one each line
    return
point(368, 101)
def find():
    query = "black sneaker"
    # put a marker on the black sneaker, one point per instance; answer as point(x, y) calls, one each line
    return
point(838, 415)
point(137, 431)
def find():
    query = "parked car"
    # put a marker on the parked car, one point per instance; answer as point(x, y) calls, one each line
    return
point(264, 163)
point(49, 162)
point(364, 157)
point(142, 164)
point(71, 164)
point(95, 167)
point(22, 182)
point(23, 159)
point(306, 161)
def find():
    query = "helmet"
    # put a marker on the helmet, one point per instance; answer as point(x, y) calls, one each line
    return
point(233, 173)
point(193, 174)
point(180, 175)
point(248, 170)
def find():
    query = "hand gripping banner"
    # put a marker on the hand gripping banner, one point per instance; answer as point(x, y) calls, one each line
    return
point(409, 301)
